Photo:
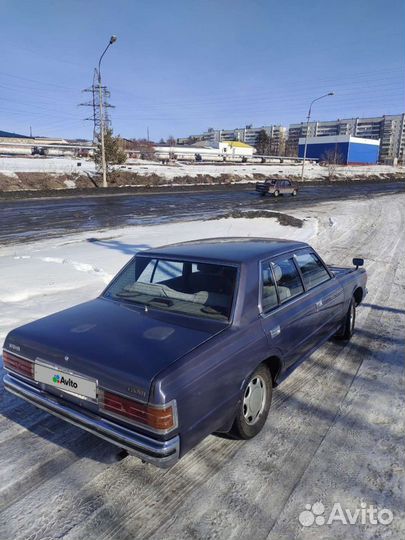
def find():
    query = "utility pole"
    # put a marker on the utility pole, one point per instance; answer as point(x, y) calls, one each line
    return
point(113, 39)
point(306, 133)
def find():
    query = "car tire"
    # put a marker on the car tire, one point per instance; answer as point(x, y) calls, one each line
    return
point(294, 193)
point(254, 405)
point(347, 329)
point(276, 193)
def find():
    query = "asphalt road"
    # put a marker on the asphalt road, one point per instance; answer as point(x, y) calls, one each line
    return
point(34, 219)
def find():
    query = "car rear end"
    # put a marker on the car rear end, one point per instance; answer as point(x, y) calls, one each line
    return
point(145, 430)
point(97, 365)
point(265, 187)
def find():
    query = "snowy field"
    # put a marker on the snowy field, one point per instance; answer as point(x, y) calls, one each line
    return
point(334, 434)
point(9, 166)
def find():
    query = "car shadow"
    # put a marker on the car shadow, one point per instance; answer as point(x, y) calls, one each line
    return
point(383, 308)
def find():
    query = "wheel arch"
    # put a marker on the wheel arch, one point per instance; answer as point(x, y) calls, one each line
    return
point(274, 364)
point(358, 295)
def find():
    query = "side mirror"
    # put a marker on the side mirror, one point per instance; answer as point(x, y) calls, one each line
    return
point(358, 262)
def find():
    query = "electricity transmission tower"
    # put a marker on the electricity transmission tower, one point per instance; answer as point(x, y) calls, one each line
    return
point(98, 119)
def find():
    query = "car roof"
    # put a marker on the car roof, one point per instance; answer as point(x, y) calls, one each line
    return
point(232, 250)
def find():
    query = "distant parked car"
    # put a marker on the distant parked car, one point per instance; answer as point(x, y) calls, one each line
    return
point(186, 341)
point(39, 151)
point(82, 153)
point(277, 187)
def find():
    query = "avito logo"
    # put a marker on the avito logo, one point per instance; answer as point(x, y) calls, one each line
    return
point(60, 379)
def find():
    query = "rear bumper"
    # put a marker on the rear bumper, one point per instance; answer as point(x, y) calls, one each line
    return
point(163, 454)
point(262, 187)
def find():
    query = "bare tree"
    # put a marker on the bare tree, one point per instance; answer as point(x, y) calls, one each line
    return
point(291, 148)
point(332, 159)
point(263, 143)
point(171, 141)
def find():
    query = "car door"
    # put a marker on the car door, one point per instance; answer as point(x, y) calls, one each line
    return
point(325, 290)
point(286, 311)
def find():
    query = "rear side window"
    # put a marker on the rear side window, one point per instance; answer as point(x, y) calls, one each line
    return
point(287, 278)
point(269, 293)
point(312, 270)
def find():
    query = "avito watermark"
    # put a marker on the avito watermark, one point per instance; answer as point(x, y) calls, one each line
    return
point(314, 514)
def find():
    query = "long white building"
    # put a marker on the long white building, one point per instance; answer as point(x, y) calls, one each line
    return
point(248, 135)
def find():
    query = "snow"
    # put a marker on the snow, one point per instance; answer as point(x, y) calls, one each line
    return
point(334, 434)
point(9, 165)
point(45, 165)
point(71, 184)
point(76, 268)
point(313, 171)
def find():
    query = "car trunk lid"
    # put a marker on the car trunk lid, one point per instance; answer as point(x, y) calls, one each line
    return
point(120, 346)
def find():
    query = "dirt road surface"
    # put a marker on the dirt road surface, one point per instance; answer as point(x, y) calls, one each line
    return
point(334, 434)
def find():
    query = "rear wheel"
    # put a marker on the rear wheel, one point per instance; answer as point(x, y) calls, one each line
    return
point(347, 329)
point(276, 193)
point(255, 404)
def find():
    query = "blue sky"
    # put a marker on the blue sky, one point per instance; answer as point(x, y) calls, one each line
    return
point(182, 66)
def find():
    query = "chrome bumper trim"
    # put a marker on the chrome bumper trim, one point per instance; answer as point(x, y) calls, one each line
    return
point(163, 454)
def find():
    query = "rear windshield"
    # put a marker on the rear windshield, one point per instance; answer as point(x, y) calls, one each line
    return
point(186, 287)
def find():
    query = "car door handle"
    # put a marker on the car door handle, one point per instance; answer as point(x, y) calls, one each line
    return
point(274, 332)
point(330, 298)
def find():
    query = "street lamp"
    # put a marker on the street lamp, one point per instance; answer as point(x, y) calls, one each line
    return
point(113, 39)
point(306, 133)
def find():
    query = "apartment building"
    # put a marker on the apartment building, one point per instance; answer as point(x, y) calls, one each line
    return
point(390, 129)
point(248, 135)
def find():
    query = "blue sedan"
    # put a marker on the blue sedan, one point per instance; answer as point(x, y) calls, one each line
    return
point(187, 340)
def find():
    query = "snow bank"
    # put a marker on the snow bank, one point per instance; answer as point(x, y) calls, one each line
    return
point(171, 171)
point(44, 165)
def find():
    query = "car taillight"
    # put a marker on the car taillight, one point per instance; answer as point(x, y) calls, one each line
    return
point(160, 419)
point(18, 365)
